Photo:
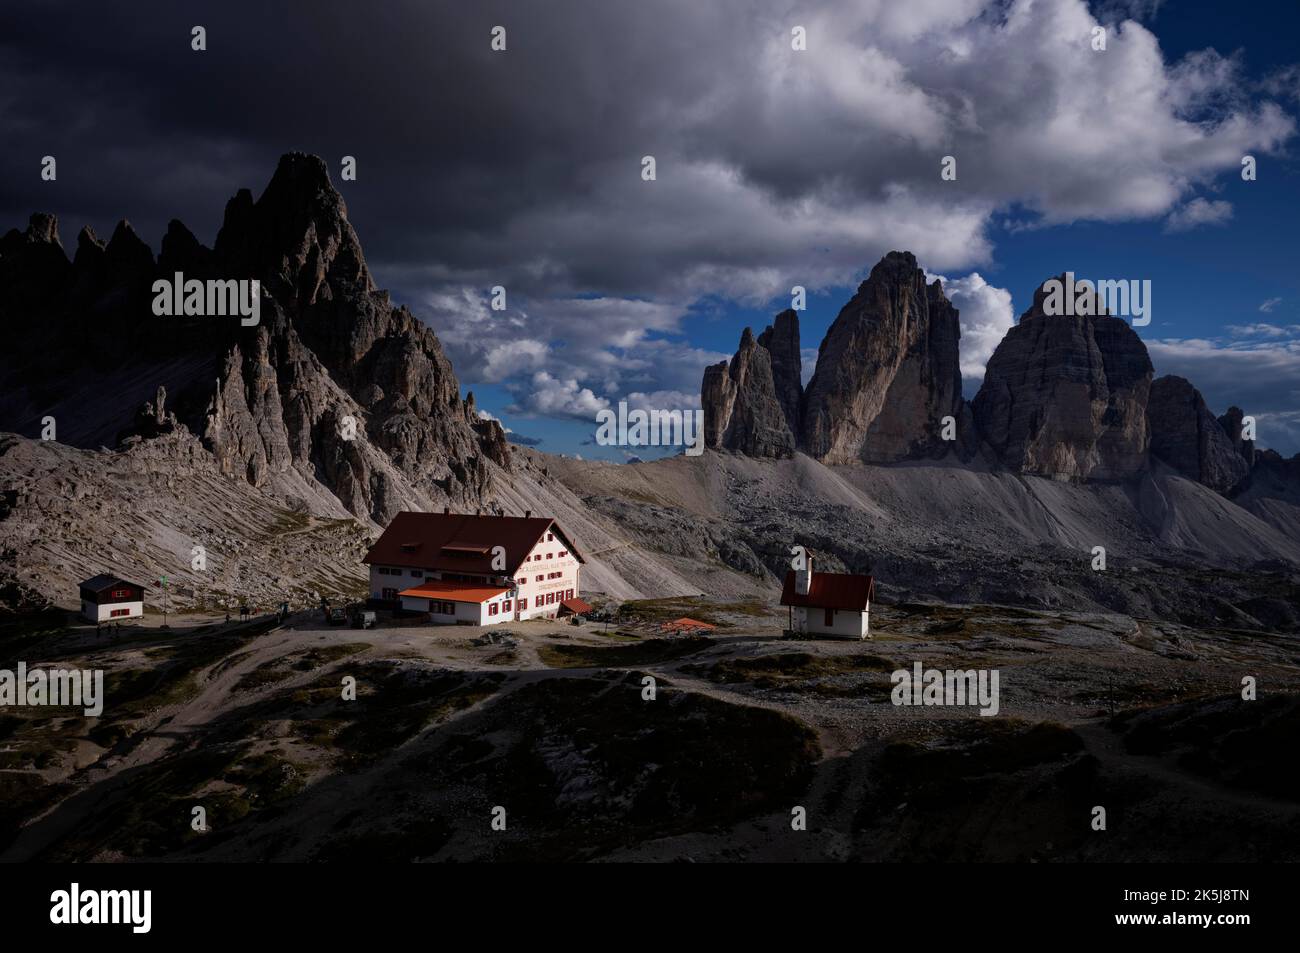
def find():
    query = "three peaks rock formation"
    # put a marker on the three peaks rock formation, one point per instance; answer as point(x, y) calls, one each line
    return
point(1068, 397)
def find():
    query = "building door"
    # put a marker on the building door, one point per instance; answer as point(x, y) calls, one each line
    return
point(830, 618)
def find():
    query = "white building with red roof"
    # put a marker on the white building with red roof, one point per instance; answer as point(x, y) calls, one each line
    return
point(833, 604)
point(475, 569)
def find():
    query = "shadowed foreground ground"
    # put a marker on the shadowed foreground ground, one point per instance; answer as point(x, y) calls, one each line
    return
point(1145, 720)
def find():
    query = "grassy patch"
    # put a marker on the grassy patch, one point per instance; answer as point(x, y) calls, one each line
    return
point(393, 704)
point(773, 671)
point(153, 817)
point(647, 652)
point(277, 670)
point(659, 611)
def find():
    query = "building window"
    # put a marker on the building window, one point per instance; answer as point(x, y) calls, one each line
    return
point(563, 554)
point(386, 571)
point(550, 555)
point(117, 612)
point(539, 578)
point(390, 594)
point(550, 537)
point(568, 594)
point(522, 580)
point(830, 617)
point(523, 604)
point(121, 593)
point(443, 608)
point(493, 608)
point(505, 606)
point(417, 573)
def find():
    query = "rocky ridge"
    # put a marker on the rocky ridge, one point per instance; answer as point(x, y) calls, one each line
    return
point(336, 396)
point(1068, 397)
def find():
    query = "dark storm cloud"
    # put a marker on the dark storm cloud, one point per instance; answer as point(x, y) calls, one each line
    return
point(522, 168)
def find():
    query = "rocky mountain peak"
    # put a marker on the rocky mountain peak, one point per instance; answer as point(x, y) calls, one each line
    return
point(334, 395)
point(296, 238)
point(1231, 422)
point(887, 371)
point(127, 252)
point(781, 341)
point(1065, 396)
point(742, 411)
point(90, 249)
point(1187, 436)
point(43, 229)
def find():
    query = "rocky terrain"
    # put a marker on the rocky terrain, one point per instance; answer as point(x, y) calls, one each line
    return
point(954, 533)
point(176, 434)
point(549, 727)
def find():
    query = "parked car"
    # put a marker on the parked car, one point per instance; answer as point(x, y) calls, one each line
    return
point(338, 617)
point(363, 619)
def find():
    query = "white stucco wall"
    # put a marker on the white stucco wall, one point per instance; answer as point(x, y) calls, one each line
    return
point(845, 624)
point(103, 613)
point(467, 613)
point(567, 566)
point(379, 581)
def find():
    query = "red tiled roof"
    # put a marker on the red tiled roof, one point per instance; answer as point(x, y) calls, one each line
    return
point(831, 590)
point(576, 606)
point(453, 591)
point(458, 542)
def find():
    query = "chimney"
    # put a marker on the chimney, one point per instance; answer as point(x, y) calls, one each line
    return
point(527, 513)
point(803, 577)
point(446, 511)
